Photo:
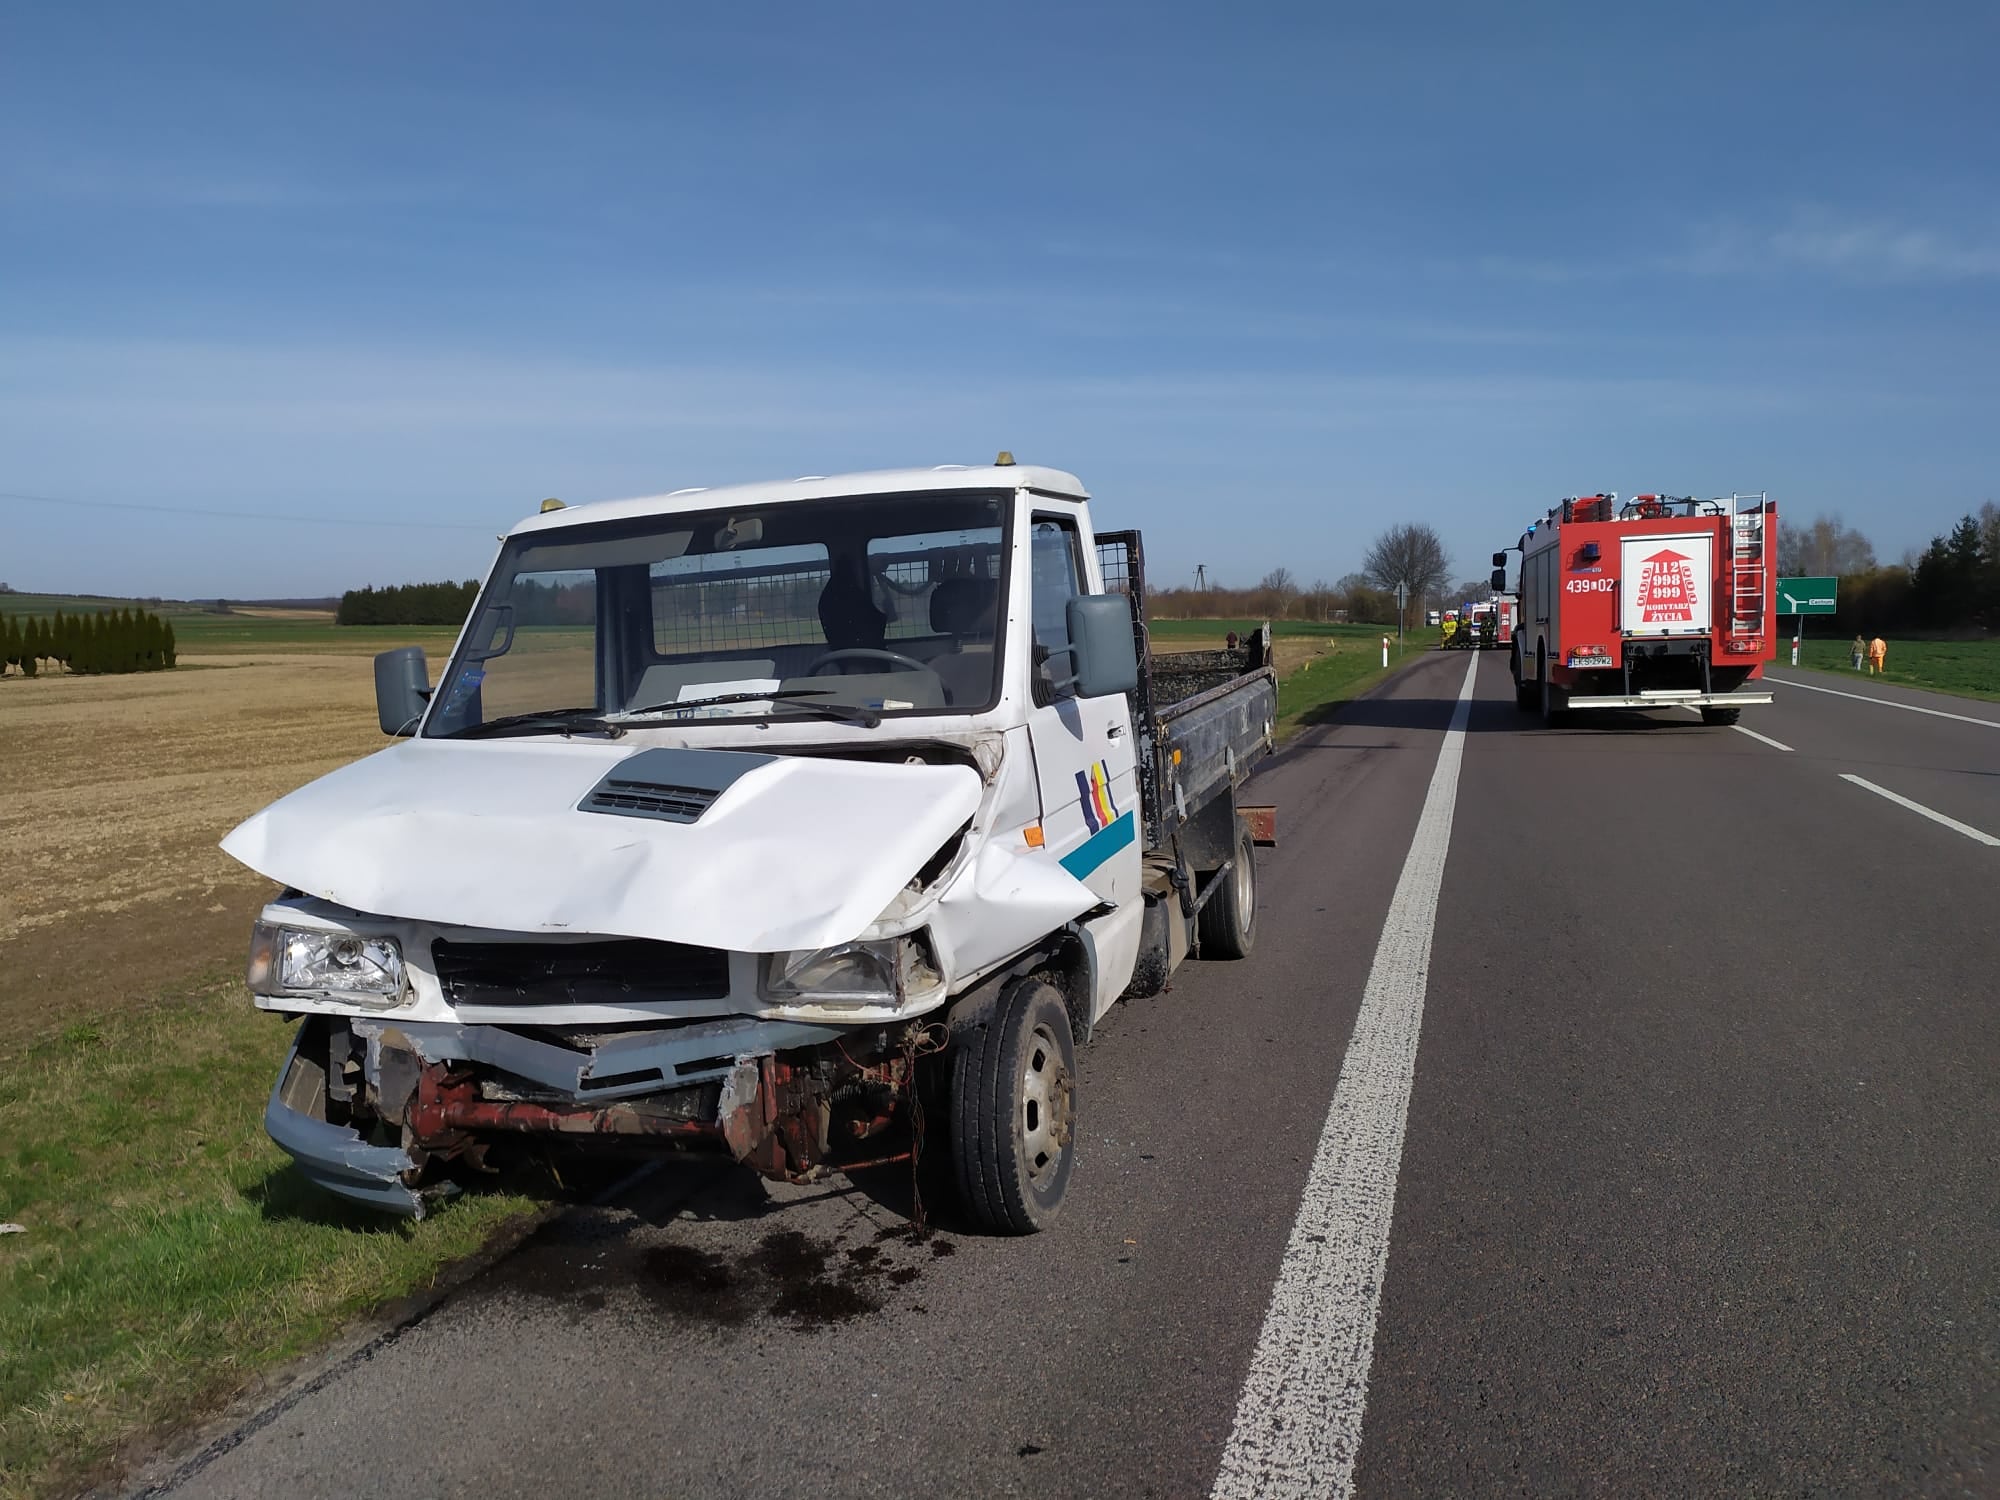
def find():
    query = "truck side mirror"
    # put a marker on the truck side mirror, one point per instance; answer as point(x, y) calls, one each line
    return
point(1101, 646)
point(1499, 559)
point(402, 687)
point(1499, 577)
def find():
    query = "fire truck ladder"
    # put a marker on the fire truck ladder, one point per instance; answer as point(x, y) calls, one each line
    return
point(1746, 565)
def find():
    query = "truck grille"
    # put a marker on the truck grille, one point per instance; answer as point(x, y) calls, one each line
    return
point(621, 971)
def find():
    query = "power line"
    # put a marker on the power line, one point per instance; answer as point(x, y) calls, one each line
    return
point(247, 515)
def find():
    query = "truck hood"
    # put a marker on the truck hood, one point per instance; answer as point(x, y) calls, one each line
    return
point(723, 849)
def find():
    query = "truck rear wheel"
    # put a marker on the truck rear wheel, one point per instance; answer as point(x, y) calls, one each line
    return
point(1524, 690)
point(1227, 922)
point(1723, 716)
point(1552, 715)
point(1013, 1104)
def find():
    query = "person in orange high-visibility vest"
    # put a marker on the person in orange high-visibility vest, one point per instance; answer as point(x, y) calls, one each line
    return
point(1878, 649)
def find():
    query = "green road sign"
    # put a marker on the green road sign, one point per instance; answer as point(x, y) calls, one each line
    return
point(1806, 596)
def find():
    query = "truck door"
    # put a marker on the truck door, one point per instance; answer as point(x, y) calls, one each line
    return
point(1084, 760)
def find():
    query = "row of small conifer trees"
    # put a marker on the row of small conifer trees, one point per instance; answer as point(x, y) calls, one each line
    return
point(118, 640)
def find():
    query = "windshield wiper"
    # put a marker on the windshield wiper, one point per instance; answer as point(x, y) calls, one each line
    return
point(775, 695)
point(568, 720)
point(796, 698)
point(846, 713)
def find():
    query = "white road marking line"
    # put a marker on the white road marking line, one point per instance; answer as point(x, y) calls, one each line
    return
point(1298, 1419)
point(1917, 807)
point(1908, 708)
point(1774, 744)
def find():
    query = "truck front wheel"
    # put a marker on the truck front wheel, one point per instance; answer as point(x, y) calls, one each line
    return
point(1013, 1108)
point(1228, 919)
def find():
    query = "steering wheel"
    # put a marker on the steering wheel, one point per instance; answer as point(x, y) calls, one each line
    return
point(896, 662)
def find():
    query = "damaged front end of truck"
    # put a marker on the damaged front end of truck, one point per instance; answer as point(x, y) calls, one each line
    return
point(391, 1115)
point(618, 982)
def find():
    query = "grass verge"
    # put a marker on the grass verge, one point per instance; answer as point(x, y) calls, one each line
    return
point(1311, 694)
point(171, 1253)
point(1214, 631)
point(1965, 669)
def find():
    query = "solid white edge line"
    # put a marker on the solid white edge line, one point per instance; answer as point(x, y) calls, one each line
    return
point(1298, 1419)
point(1908, 708)
point(1917, 807)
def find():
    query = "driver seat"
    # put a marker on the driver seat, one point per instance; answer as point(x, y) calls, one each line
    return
point(848, 615)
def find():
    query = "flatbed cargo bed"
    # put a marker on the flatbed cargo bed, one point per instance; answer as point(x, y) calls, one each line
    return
point(1204, 718)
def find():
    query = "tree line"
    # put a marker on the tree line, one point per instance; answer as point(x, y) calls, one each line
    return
point(1409, 553)
point(408, 604)
point(118, 640)
point(1952, 586)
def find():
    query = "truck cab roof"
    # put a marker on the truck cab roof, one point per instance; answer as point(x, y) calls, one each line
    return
point(1054, 482)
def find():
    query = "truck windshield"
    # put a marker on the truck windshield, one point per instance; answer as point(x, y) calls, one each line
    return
point(887, 604)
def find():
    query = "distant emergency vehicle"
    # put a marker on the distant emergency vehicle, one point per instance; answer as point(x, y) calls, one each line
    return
point(1660, 602)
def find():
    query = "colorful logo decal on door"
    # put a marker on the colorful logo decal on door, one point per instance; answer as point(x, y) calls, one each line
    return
point(1094, 787)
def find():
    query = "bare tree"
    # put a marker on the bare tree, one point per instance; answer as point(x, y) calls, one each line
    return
point(1824, 547)
point(1279, 581)
point(1409, 554)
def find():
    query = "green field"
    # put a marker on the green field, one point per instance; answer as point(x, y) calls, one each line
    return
point(171, 1253)
point(202, 632)
point(1217, 630)
point(1967, 669)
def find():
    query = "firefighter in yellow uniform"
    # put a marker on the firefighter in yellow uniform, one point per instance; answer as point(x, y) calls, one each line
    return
point(1450, 627)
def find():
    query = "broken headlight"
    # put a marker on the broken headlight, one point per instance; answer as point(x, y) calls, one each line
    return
point(297, 960)
point(845, 974)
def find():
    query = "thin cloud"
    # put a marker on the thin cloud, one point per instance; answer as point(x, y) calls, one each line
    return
point(1875, 251)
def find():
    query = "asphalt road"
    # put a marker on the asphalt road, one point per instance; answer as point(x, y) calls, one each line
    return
point(1699, 1190)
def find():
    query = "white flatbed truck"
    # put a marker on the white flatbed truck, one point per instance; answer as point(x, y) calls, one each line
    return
point(742, 820)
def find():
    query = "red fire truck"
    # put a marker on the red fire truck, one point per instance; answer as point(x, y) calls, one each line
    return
point(1662, 601)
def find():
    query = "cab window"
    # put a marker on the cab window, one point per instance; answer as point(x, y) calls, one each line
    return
point(1056, 577)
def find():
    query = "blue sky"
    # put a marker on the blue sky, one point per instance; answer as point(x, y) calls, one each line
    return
point(1266, 277)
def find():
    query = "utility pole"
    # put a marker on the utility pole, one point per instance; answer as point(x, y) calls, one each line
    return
point(1201, 578)
point(1402, 601)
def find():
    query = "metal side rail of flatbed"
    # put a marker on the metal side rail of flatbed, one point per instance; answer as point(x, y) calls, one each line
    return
point(1665, 698)
point(1211, 741)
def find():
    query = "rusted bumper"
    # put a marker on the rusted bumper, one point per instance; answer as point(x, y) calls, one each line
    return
point(452, 1093)
point(335, 1157)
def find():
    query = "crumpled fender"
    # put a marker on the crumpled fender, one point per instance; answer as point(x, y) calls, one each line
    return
point(1007, 900)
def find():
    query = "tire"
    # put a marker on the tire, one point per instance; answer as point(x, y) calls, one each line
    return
point(1721, 716)
point(1227, 923)
point(1552, 716)
point(1525, 697)
point(1013, 1106)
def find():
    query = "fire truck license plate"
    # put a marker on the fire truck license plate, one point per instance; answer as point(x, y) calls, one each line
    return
point(1590, 661)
